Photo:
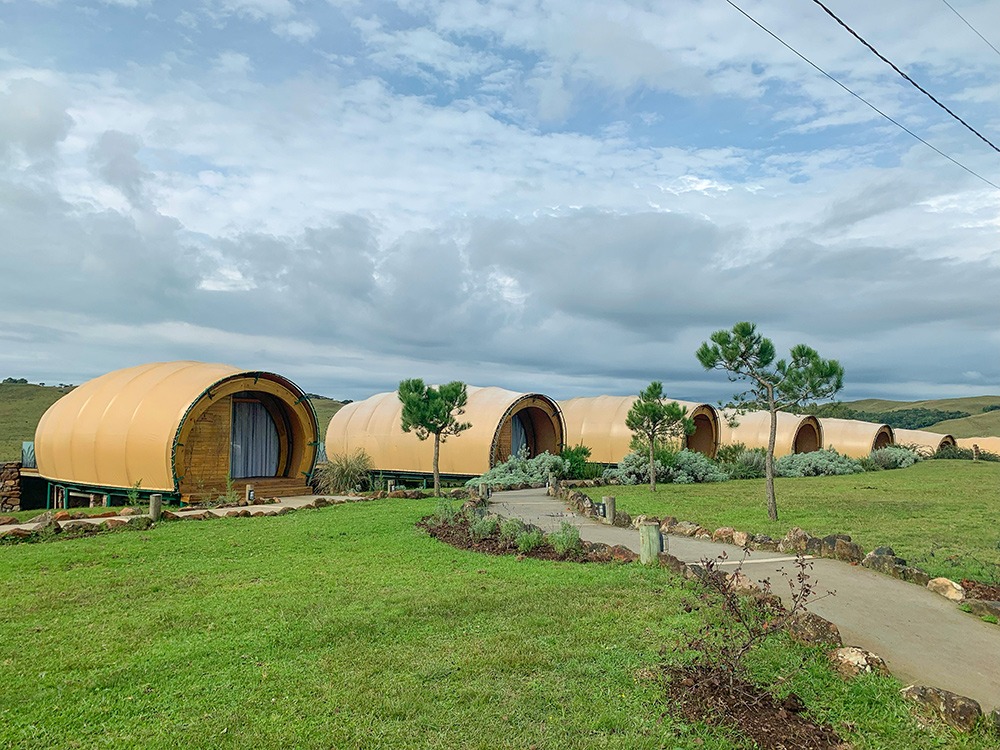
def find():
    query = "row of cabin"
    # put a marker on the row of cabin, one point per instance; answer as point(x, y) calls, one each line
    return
point(191, 430)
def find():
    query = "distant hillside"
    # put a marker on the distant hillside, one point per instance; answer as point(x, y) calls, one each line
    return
point(21, 406)
point(325, 409)
point(976, 424)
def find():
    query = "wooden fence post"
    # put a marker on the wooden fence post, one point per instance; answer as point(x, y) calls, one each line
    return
point(650, 542)
point(155, 506)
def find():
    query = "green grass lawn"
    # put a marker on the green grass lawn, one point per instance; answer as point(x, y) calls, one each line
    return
point(941, 515)
point(348, 627)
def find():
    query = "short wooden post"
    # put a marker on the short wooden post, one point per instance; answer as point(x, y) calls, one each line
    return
point(484, 492)
point(609, 510)
point(155, 506)
point(650, 542)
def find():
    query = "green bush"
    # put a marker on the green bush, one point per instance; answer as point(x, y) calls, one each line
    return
point(345, 472)
point(529, 540)
point(566, 540)
point(894, 457)
point(483, 528)
point(991, 407)
point(445, 511)
point(954, 452)
point(634, 469)
point(691, 466)
point(576, 460)
point(677, 467)
point(729, 454)
point(520, 469)
point(511, 529)
point(816, 464)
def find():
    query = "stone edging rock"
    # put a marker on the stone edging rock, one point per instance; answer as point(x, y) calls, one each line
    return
point(54, 524)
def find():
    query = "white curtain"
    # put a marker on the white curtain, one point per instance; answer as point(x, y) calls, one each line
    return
point(518, 435)
point(255, 442)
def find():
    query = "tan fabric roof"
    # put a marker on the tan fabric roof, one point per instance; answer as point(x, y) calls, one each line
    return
point(121, 428)
point(599, 423)
point(922, 439)
point(796, 433)
point(855, 438)
point(373, 425)
point(985, 443)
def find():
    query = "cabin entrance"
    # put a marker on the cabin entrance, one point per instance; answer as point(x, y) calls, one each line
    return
point(256, 447)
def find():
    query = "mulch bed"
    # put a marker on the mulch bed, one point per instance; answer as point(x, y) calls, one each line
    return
point(977, 590)
point(708, 695)
point(456, 533)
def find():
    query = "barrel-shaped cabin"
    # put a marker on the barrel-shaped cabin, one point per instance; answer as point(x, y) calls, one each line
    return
point(502, 423)
point(796, 433)
point(183, 429)
point(599, 423)
point(922, 440)
point(856, 438)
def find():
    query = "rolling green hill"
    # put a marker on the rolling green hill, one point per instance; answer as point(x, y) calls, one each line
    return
point(975, 425)
point(22, 405)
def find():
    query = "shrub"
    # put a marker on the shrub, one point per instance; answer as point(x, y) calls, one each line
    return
point(954, 452)
point(991, 407)
point(576, 460)
point(519, 469)
point(483, 528)
point(529, 540)
point(634, 469)
point(445, 511)
point(691, 466)
point(511, 529)
point(746, 464)
point(816, 464)
point(566, 540)
point(894, 457)
point(345, 472)
point(729, 454)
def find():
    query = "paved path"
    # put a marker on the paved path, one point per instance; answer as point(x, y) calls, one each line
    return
point(924, 638)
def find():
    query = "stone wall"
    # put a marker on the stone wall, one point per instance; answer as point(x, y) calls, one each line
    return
point(10, 487)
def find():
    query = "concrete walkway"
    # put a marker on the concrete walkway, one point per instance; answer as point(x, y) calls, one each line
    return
point(924, 638)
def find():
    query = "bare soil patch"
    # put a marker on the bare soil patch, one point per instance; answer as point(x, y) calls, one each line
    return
point(714, 697)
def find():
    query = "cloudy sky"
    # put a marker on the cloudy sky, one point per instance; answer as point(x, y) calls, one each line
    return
point(555, 195)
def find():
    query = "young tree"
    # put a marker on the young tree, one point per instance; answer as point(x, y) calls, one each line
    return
point(429, 410)
point(654, 418)
point(775, 386)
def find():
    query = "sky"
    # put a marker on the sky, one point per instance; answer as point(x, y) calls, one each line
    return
point(559, 196)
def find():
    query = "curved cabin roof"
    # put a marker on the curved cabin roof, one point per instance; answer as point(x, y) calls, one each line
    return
point(985, 443)
point(599, 423)
point(796, 433)
point(923, 439)
point(855, 438)
point(125, 427)
point(373, 425)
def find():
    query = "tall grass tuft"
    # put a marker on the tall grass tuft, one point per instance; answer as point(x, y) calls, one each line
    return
point(345, 472)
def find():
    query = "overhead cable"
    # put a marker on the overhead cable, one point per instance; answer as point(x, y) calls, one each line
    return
point(861, 98)
point(913, 83)
point(971, 26)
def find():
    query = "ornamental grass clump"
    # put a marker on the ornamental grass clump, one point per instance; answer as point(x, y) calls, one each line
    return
point(821, 463)
point(747, 463)
point(345, 472)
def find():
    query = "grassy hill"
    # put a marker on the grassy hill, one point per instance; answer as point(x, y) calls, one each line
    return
point(22, 405)
point(975, 425)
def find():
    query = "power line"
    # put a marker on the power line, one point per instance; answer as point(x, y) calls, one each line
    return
point(913, 83)
point(859, 97)
point(971, 26)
